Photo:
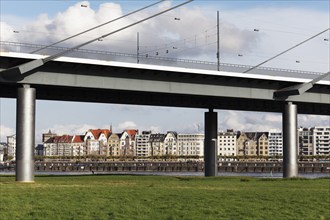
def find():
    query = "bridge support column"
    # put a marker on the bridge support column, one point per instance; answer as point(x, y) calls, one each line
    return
point(210, 143)
point(25, 134)
point(289, 128)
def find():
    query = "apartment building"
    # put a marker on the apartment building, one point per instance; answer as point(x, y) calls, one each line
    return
point(2, 151)
point(305, 142)
point(227, 143)
point(275, 143)
point(78, 146)
point(114, 144)
point(127, 143)
point(252, 143)
point(96, 141)
point(262, 144)
point(142, 144)
point(170, 143)
point(58, 146)
point(191, 144)
point(321, 140)
point(157, 144)
point(11, 145)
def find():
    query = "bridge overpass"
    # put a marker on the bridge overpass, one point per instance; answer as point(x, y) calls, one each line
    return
point(87, 80)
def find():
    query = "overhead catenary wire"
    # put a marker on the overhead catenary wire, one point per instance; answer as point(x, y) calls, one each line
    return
point(254, 67)
point(182, 43)
point(108, 22)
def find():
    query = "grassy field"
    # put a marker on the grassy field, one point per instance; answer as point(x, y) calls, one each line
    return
point(163, 197)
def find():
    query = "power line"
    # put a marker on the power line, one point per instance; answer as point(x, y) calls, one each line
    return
point(182, 42)
point(287, 50)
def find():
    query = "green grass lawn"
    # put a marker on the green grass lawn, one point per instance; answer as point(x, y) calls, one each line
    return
point(163, 197)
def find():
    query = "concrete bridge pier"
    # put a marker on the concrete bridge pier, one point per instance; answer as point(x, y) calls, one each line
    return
point(210, 143)
point(25, 134)
point(289, 128)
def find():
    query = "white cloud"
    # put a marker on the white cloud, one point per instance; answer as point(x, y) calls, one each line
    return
point(274, 118)
point(126, 125)
point(5, 131)
point(155, 33)
point(313, 120)
point(252, 121)
point(7, 32)
point(155, 129)
point(70, 129)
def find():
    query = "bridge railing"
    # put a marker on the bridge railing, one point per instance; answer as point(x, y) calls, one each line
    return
point(154, 60)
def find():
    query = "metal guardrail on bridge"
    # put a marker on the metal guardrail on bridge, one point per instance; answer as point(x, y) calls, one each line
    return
point(155, 60)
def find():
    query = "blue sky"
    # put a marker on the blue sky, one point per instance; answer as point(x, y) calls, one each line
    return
point(281, 23)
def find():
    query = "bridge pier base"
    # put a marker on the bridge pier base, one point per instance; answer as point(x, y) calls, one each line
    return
point(289, 128)
point(210, 143)
point(25, 134)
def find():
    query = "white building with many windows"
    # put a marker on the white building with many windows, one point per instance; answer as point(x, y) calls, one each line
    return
point(227, 143)
point(275, 143)
point(321, 140)
point(142, 144)
point(11, 145)
point(191, 144)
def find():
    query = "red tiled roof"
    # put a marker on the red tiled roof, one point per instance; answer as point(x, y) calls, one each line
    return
point(60, 139)
point(132, 132)
point(78, 139)
point(97, 132)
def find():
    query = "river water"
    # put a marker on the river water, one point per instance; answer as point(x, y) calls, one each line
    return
point(259, 175)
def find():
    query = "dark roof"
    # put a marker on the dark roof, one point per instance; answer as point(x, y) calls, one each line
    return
point(174, 133)
point(252, 135)
point(157, 138)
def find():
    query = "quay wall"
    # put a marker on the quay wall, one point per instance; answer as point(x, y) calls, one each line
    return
point(191, 166)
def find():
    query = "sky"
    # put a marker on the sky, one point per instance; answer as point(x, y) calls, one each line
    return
point(188, 32)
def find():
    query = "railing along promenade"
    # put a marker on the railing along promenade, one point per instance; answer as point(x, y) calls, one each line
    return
point(163, 166)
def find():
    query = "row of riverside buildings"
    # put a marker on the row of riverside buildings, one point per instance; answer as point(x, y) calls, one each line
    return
point(130, 143)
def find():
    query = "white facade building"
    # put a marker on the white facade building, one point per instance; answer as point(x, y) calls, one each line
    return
point(227, 143)
point(170, 143)
point(321, 140)
point(11, 145)
point(2, 151)
point(142, 144)
point(275, 143)
point(191, 144)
